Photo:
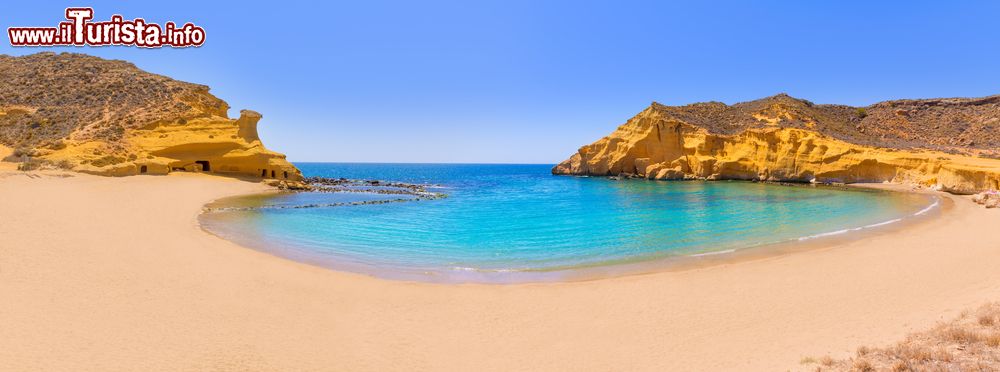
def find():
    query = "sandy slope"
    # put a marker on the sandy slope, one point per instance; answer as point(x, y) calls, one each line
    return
point(4, 152)
point(114, 274)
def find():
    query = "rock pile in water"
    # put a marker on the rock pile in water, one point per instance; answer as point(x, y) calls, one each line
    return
point(413, 192)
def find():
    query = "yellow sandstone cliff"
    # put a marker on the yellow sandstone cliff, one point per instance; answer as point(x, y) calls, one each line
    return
point(780, 143)
point(105, 117)
point(213, 144)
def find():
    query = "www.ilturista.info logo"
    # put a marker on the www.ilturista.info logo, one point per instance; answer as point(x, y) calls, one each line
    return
point(79, 31)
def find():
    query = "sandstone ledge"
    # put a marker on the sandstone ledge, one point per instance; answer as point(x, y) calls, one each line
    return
point(210, 144)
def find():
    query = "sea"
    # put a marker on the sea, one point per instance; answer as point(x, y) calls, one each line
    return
point(509, 223)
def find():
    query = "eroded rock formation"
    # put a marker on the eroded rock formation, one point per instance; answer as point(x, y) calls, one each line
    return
point(107, 117)
point(781, 138)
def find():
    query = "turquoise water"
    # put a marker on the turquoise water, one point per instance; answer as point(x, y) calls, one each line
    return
point(500, 222)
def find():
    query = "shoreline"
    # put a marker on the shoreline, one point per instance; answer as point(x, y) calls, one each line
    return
point(95, 281)
point(640, 265)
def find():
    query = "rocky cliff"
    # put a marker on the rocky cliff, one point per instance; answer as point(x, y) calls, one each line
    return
point(951, 144)
point(105, 117)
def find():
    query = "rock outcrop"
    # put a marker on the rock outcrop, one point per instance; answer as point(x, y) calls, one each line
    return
point(948, 143)
point(106, 117)
point(989, 199)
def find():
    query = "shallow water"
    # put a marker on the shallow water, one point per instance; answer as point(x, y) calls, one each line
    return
point(500, 222)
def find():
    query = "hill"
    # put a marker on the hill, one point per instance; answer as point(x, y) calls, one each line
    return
point(950, 143)
point(108, 117)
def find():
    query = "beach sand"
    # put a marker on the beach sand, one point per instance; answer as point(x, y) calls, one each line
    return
point(111, 274)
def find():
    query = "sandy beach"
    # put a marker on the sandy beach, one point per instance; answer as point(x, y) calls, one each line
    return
point(106, 274)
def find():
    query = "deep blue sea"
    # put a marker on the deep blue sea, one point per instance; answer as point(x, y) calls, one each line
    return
point(508, 223)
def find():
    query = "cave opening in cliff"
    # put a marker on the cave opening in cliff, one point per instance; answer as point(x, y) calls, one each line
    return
point(272, 173)
point(205, 166)
point(143, 169)
point(284, 174)
point(263, 173)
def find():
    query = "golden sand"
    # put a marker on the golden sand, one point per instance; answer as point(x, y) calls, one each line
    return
point(110, 274)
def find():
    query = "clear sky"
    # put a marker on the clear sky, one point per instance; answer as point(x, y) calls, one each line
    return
point(531, 81)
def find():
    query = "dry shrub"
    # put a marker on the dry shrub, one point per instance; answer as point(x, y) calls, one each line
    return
point(826, 360)
point(863, 365)
point(960, 334)
point(970, 342)
point(986, 320)
point(107, 160)
point(40, 164)
point(863, 350)
point(900, 366)
point(910, 352)
point(943, 355)
point(993, 340)
point(31, 165)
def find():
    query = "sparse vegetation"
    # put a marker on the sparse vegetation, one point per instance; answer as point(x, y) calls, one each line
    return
point(989, 155)
point(969, 343)
point(64, 164)
point(936, 124)
point(49, 96)
point(107, 160)
point(30, 165)
point(57, 145)
point(826, 360)
point(39, 164)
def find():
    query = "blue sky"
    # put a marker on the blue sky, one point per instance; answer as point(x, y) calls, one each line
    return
point(531, 81)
